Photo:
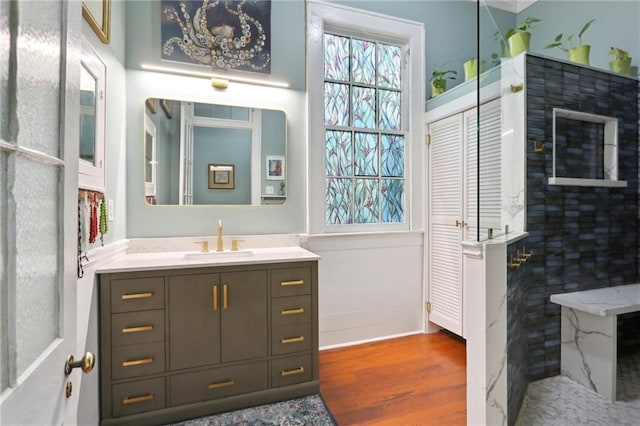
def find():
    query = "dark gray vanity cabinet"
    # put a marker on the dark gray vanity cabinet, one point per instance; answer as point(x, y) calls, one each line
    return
point(184, 343)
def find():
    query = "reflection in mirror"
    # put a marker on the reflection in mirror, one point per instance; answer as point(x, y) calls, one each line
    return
point(149, 159)
point(190, 136)
point(87, 116)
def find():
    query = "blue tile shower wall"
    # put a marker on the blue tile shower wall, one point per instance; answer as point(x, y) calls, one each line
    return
point(517, 379)
point(583, 237)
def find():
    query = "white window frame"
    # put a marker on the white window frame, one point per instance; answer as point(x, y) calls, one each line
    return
point(323, 17)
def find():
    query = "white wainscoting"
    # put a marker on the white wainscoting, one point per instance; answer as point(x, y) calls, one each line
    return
point(370, 286)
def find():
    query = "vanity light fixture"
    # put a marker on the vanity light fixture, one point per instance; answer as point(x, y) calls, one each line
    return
point(212, 76)
point(219, 83)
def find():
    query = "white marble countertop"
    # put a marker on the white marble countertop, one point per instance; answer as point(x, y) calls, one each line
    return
point(131, 262)
point(617, 300)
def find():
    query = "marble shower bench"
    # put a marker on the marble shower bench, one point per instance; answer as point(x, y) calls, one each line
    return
point(588, 351)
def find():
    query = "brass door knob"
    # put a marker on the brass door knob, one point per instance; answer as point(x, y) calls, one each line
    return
point(86, 363)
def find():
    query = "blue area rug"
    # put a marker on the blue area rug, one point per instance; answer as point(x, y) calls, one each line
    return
point(308, 410)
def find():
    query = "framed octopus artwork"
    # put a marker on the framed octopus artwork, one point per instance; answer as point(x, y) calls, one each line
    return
point(221, 34)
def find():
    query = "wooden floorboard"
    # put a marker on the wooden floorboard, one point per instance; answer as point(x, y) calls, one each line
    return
point(414, 380)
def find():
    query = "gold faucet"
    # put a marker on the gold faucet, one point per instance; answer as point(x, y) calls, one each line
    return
point(219, 245)
point(204, 248)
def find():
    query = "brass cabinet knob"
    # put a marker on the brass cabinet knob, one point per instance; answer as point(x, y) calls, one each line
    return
point(86, 363)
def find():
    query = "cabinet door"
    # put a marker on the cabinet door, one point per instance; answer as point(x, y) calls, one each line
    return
point(194, 320)
point(244, 315)
point(445, 253)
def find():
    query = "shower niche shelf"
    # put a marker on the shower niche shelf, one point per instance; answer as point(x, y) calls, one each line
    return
point(585, 150)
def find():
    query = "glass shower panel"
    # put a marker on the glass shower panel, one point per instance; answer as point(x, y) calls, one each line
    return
point(489, 139)
point(4, 79)
point(37, 259)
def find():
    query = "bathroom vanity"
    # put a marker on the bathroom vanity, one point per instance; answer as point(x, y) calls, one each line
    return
point(185, 335)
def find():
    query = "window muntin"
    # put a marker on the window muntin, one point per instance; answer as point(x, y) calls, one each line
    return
point(365, 151)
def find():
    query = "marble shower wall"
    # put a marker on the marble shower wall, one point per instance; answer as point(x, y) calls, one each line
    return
point(583, 237)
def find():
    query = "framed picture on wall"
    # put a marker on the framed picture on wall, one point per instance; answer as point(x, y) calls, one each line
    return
point(222, 176)
point(275, 167)
point(97, 13)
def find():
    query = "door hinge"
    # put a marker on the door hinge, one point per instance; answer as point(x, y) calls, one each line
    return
point(428, 307)
point(428, 139)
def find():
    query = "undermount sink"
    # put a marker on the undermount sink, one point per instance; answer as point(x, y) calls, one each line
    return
point(217, 254)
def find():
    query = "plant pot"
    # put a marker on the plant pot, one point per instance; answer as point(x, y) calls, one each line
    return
point(470, 69)
point(579, 54)
point(621, 66)
point(519, 42)
point(438, 87)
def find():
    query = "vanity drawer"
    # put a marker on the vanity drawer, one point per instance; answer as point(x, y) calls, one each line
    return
point(217, 383)
point(137, 327)
point(291, 370)
point(138, 397)
point(137, 360)
point(291, 310)
point(137, 294)
point(290, 338)
point(290, 281)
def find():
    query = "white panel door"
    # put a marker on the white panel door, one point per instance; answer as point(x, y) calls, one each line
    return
point(445, 215)
point(39, 151)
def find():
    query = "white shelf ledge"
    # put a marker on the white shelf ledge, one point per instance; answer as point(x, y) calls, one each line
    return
point(588, 182)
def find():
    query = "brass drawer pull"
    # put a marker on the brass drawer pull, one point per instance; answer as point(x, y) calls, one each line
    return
point(225, 296)
point(137, 329)
point(292, 340)
point(136, 296)
point(215, 297)
point(136, 399)
point(137, 362)
point(294, 282)
point(285, 373)
point(292, 311)
point(221, 384)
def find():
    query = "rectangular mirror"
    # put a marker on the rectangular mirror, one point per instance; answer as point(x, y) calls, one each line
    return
point(184, 139)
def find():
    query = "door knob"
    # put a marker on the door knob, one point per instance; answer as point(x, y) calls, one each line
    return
point(86, 363)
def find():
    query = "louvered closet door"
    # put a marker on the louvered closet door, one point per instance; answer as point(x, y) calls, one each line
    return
point(445, 194)
point(490, 170)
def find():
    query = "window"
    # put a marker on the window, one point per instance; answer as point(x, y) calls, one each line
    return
point(364, 143)
point(365, 107)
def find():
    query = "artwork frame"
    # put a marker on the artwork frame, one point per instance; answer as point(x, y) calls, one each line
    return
point(152, 105)
point(275, 167)
point(221, 176)
point(97, 13)
point(167, 107)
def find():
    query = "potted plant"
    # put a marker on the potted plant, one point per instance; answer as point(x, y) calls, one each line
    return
point(470, 69)
point(439, 77)
point(621, 62)
point(576, 53)
point(518, 38)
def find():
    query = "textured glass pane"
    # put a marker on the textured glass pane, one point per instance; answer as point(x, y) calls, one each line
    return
point(392, 158)
point(338, 201)
point(389, 64)
point(364, 110)
point(389, 104)
point(338, 153)
point(366, 201)
point(363, 65)
point(366, 155)
point(4, 285)
point(336, 104)
point(4, 68)
point(336, 57)
point(392, 200)
point(38, 282)
point(39, 58)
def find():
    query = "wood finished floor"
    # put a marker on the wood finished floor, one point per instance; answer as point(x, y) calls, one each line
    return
point(414, 380)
